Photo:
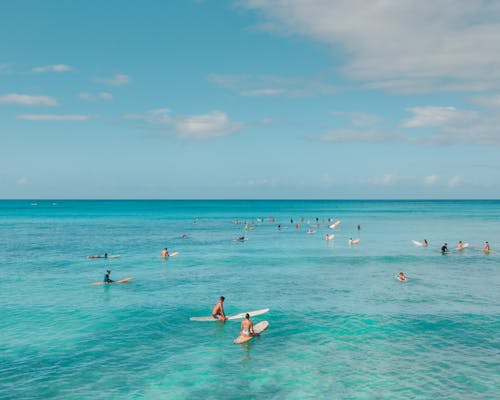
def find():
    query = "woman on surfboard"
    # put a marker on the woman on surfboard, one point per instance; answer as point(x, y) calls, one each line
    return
point(247, 327)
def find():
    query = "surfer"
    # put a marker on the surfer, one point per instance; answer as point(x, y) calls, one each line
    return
point(247, 327)
point(444, 248)
point(424, 243)
point(401, 276)
point(99, 256)
point(460, 245)
point(106, 277)
point(164, 253)
point(218, 310)
point(486, 246)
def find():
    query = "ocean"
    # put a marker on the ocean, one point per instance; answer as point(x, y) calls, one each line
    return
point(340, 325)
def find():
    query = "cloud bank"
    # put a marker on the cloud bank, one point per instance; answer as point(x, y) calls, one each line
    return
point(401, 46)
point(27, 100)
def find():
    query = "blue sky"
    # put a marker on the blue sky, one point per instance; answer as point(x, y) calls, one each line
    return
point(249, 99)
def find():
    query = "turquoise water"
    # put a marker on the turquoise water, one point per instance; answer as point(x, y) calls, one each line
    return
point(340, 327)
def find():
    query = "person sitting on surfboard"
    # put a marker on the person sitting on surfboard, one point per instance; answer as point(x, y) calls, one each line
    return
point(424, 243)
point(247, 327)
point(164, 253)
point(486, 246)
point(444, 248)
point(106, 277)
point(460, 245)
point(218, 310)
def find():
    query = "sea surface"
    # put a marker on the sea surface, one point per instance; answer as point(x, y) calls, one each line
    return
point(341, 325)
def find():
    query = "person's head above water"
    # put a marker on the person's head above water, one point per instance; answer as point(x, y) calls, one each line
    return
point(222, 298)
point(247, 316)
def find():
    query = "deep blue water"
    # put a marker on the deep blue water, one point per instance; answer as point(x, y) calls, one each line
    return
point(340, 327)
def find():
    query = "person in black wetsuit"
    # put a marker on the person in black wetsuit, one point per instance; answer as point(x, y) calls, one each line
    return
point(106, 277)
point(444, 248)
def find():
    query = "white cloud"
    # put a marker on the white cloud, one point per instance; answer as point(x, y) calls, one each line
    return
point(438, 116)
point(431, 179)
point(444, 45)
point(196, 127)
point(359, 118)
point(455, 181)
point(385, 180)
point(492, 101)
point(53, 68)
point(53, 117)
point(356, 136)
point(105, 96)
point(23, 181)
point(271, 85)
point(27, 100)
point(99, 96)
point(116, 80)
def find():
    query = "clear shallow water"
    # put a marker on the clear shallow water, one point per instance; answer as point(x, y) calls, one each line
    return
point(340, 327)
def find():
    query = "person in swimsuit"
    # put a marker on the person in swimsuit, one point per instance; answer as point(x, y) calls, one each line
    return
point(486, 246)
point(106, 277)
point(247, 327)
point(164, 253)
point(424, 243)
point(401, 276)
point(460, 245)
point(218, 310)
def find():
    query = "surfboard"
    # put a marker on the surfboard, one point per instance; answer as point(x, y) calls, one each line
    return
point(329, 237)
point(311, 232)
point(231, 317)
point(120, 281)
point(175, 253)
point(464, 246)
point(399, 279)
point(355, 241)
point(109, 256)
point(334, 225)
point(257, 328)
point(417, 243)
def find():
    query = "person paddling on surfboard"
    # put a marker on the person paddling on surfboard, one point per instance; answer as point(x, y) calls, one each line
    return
point(218, 310)
point(164, 253)
point(106, 277)
point(486, 247)
point(247, 327)
point(424, 243)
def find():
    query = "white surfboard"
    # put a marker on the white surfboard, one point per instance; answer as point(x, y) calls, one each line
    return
point(464, 246)
point(231, 317)
point(174, 254)
point(355, 241)
point(257, 328)
point(399, 279)
point(334, 225)
point(417, 243)
point(329, 237)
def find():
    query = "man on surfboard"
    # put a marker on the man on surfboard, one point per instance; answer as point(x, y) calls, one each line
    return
point(218, 310)
point(106, 277)
point(247, 327)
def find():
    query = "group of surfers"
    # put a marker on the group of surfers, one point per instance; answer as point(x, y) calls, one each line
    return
point(460, 246)
point(246, 325)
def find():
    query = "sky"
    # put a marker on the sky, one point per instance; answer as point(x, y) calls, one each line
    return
point(249, 99)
